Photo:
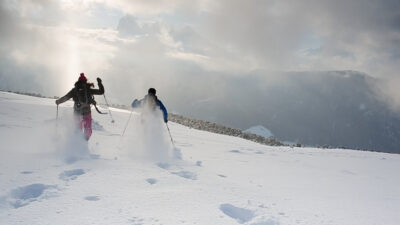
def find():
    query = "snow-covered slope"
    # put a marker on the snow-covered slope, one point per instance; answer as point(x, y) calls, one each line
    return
point(260, 130)
point(48, 176)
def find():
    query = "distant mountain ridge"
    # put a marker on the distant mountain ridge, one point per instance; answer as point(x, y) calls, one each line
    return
point(220, 129)
point(330, 109)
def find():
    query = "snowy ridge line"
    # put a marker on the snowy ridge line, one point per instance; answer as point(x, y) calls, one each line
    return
point(220, 129)
point(29, 94)
point(118, 106)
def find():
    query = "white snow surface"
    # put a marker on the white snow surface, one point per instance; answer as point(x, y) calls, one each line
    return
point(49, 175)
point(260, 130)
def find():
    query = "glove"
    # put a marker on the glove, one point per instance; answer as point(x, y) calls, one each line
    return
point(135, 103)
point(98, 80)
point(166, 121)
point(57, 102)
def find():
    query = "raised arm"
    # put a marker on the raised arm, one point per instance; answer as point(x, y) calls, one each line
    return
point(99, 91)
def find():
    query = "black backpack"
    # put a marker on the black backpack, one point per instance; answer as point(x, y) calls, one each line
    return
point(83, 95)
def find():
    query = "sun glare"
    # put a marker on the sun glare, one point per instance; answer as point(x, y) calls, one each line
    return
point(72, 63)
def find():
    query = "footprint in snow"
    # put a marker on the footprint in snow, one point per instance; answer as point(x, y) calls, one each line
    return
point(241, 215)
point(151, 181)
point(24, 195)
point(185, 174)
point(235, 151)
point(97, 126)
point(71, 174)
point(26, 172)
point(163, 165)
point(92, 198)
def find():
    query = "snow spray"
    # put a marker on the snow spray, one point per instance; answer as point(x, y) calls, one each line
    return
point(147, 137)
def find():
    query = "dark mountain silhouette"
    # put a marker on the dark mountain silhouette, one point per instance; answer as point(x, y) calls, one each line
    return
point(335, 109)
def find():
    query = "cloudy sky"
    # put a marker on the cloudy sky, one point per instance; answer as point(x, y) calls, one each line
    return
point(189, 47)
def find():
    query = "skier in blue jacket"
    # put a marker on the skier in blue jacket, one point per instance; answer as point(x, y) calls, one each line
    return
point(151, 102)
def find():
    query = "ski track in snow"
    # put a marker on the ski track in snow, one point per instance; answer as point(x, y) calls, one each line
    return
point(209, 179)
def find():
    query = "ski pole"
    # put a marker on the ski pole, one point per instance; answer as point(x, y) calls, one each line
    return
point(57, 117)
point(126, 125)
point(172, 141)
point(112, 120)
point(57, 121)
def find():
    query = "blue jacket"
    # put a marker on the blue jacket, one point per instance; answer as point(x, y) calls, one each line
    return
point(138, 103)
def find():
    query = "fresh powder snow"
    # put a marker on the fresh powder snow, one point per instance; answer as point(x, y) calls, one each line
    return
point(50, 175)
